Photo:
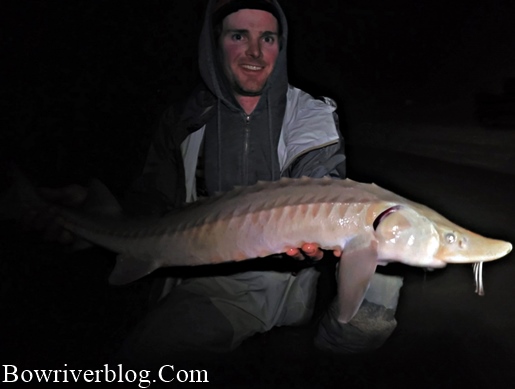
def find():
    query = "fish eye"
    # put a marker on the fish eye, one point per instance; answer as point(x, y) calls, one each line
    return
point(450, 237)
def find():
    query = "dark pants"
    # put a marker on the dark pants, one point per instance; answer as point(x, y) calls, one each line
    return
point(209, 315)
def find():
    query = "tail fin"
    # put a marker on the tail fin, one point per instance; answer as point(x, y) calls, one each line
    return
point(20, 196)
point(101, 201)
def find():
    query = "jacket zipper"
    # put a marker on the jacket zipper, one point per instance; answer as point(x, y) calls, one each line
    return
point(246, 147)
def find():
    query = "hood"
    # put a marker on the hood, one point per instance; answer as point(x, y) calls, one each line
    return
point(240, 149)
point(211, 68)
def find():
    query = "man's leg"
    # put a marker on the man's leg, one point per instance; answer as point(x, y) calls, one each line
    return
point(184, 325)
point(207, 315)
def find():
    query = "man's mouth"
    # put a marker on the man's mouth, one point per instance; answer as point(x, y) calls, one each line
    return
point(252, 67)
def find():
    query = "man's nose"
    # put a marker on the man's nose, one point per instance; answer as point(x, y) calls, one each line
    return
point(254, 48)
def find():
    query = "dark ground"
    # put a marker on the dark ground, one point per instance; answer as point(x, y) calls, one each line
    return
point(88, 79)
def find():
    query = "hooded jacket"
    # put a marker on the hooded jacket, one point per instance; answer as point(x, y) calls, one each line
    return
point(289, 133)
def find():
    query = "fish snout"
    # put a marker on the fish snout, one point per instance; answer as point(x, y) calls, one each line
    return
point(470, 248)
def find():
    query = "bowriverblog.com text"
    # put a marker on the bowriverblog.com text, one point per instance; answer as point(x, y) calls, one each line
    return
point(143, 378)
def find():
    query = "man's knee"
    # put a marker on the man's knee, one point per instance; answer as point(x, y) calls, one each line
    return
point(183, 324)
point(367, 331)
point(370, 327)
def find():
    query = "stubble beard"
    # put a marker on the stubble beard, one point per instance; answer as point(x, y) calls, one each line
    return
point(247, 92)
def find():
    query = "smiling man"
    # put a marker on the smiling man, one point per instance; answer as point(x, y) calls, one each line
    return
point(249, 44)
point(242, 124)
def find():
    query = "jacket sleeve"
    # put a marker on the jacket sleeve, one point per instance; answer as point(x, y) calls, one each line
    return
point(159, 185)
point(326, 161)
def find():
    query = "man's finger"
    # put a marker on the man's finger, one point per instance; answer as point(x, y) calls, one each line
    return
point(313, 251)
point(295, 253)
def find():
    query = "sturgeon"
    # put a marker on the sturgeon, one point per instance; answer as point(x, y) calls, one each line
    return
point(370, 225)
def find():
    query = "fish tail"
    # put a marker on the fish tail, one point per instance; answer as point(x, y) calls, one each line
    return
point(19, 197)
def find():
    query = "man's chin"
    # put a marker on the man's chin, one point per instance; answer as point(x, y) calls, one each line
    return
point(248, 92)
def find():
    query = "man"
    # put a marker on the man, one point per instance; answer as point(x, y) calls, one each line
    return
point(245, 123)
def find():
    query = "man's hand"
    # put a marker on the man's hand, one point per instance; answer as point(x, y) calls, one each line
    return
point(310, 250)
point(44, 220)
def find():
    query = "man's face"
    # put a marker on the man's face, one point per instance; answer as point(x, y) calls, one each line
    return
point(250, 45)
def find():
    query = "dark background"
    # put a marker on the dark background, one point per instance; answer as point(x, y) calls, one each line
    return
point(426, 97)
point(85, 81)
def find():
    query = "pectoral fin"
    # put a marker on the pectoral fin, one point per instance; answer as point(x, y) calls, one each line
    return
point(357, 266)
point(128, 269)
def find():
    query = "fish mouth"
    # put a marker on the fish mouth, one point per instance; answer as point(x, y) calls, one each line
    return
point(477, 268)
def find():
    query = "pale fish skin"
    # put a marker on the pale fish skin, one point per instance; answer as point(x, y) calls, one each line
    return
point(368, 223)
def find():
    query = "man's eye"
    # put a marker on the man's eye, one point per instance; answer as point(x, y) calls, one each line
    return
point(237, 37)
point(269, 39)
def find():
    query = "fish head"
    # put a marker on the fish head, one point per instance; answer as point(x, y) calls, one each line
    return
point(458, 245)
point(404, 235)
point(425, 238)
